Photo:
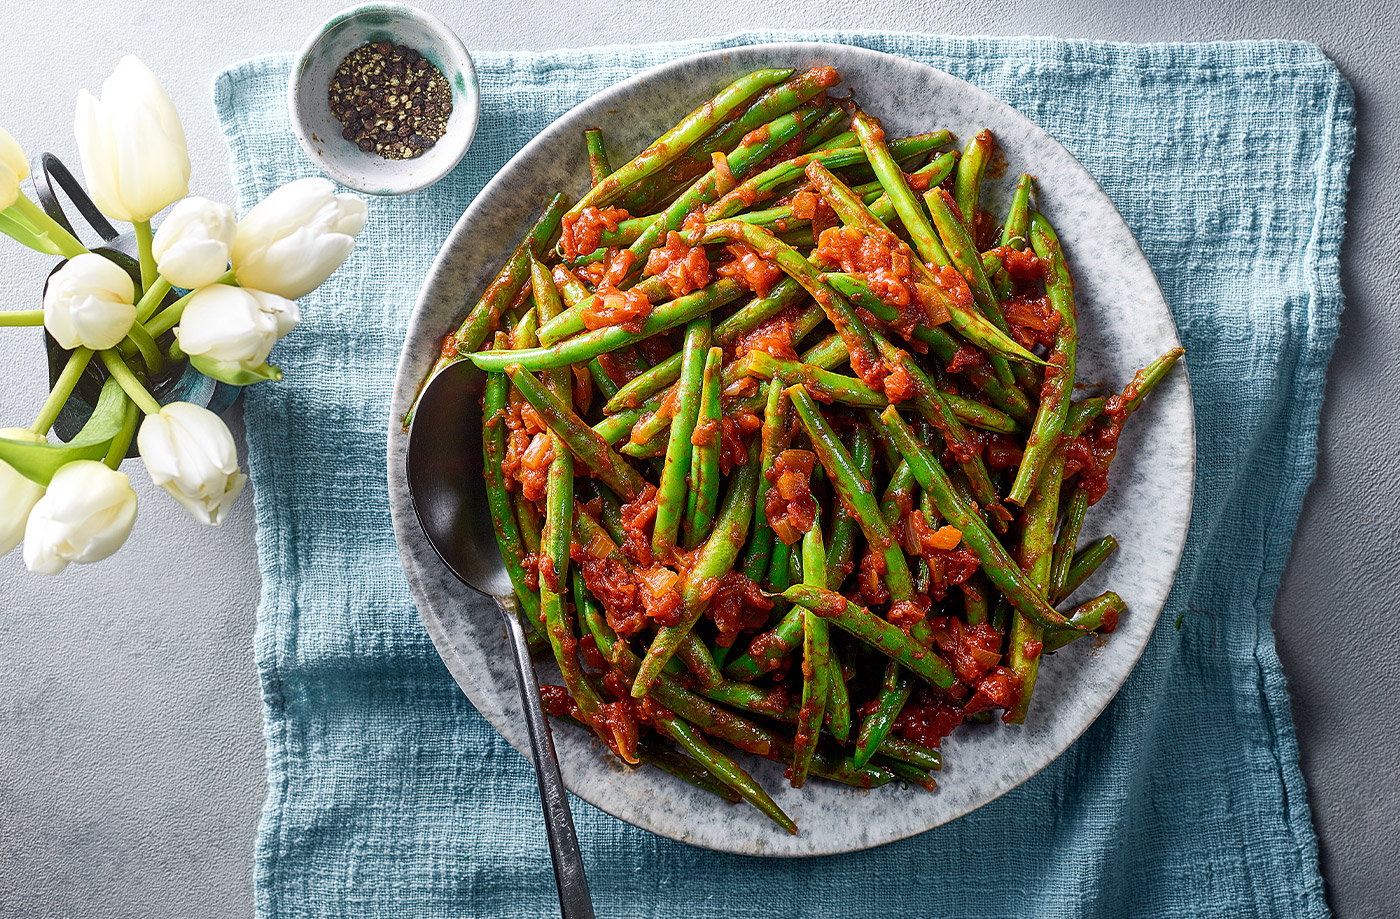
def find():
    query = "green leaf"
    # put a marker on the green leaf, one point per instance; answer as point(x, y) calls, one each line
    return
point(39, 461)
point(233, 373)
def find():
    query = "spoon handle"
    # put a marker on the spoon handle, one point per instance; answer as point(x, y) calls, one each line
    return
point(574, 901)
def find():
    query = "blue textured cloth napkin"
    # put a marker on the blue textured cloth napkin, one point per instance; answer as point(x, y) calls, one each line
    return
point(390, 796)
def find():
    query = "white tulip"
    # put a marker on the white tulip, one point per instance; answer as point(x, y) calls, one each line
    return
point(89, 303)
point(132, 145)
point(18, 494)
point(193, 243)
point(84, 516)
point(296, 237)
point(14, 169)
point(189, 452)
point(235, 326)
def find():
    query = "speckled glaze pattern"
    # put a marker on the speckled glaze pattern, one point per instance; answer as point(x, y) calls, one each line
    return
point(320, 132)
point(1124, 324)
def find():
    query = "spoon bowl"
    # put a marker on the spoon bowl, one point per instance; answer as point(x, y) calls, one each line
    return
point(447, 482)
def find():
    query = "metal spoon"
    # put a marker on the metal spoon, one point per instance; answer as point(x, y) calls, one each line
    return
point(448, 490)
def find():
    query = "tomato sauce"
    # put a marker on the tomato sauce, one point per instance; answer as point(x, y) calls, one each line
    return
point(682, 268)
point(583, 232)
point(789, 505)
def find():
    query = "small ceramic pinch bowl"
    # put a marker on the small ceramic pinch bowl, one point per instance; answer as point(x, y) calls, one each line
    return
point(320, 131)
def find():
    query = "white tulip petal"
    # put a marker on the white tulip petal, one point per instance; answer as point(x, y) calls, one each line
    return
point(132, 144)
point(189, 452)
point(18, 494)
point(88, 303)
point(85, 515)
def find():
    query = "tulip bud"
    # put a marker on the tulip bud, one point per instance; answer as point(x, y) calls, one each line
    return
point(132, 145)
point(84, 516)
point(189, 452)
point(227, 329)
point(192, 245)
point(296, 237)
point(18, 494)
point(88, 303)
point(14, 169)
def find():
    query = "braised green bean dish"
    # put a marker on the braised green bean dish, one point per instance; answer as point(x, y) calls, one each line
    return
point(783, 444)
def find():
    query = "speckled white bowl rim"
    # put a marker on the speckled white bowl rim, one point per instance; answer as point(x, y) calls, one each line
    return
point(1125, 323)
point(382, 176)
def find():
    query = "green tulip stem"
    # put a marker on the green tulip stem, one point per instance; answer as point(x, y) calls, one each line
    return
point(150, 300)
point(127, 380)
point(27, 223)
point(122, 442)
point(21, 317)
point(150, 351)
point(146, 255)
point(62, 388)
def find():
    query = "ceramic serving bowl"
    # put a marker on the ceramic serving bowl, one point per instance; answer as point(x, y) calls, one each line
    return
point(1124, 324)
point(320, 132)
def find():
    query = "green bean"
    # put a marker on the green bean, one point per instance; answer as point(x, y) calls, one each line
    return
point(998, 565)
point(783, 294)
point(963, 255)
point(770, 649)
point(1008, 399)
point(485, 316)
point(508, 537)
point(931, 404)
point(553, 570)
point(724, 769)
point(575, 433)
point(970, 411)
point(1146, 380)
point(932, 174)
point(825, 385)
point(598, 168)
point(773, 102)
point(976, 594)
point(676, 141)
point(967, 183)
point(794, 265)
point(1017, 229)
point(838, 700)
point(1100, 613)
point(969, 323)
point(571, 322)
point(670, 496)
point(864, 625)
point(1059, 375)
point(687, 769)
point(1086, 563)
point(752, 151)
point(1037, 551)
point(816, 664)
point(823, 132)
point(585, 347)
point(617, 426)
point(906, 751)
point(765, 184)
point(704, 456)
point(482, 319)
point(911, 774)
point(872, 141)
point(712, 560)
point(1068, 539)
point(875, 726)
point(855, 492)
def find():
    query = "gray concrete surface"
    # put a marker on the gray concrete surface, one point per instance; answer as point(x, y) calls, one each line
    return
point(130, 742)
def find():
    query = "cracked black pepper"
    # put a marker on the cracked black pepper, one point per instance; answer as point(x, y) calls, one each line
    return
point(390, 100)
